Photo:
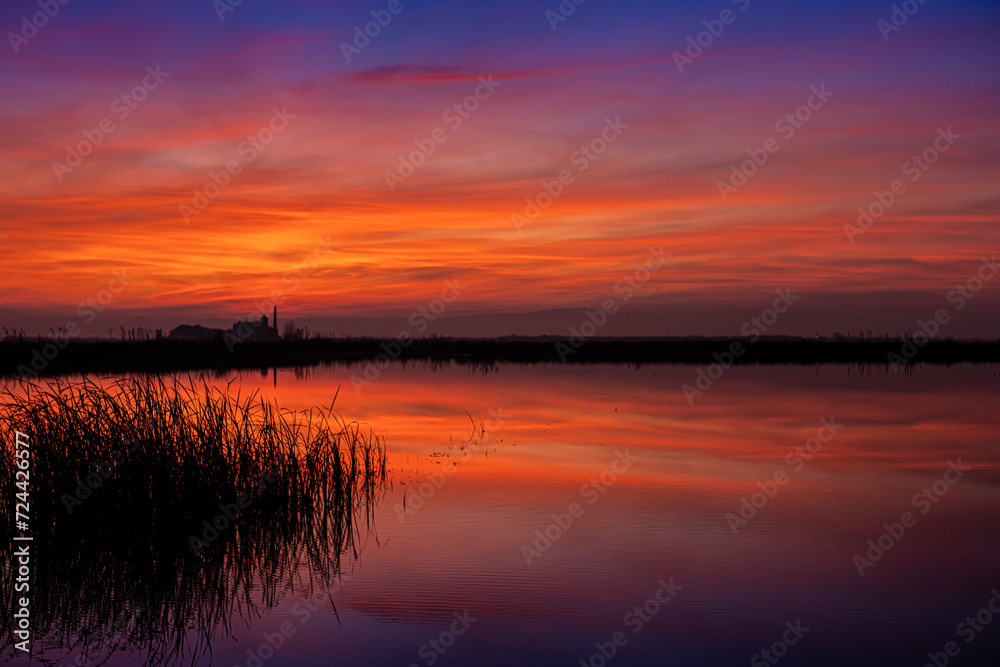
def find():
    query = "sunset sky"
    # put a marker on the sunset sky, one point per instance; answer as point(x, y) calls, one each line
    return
point(327, 127)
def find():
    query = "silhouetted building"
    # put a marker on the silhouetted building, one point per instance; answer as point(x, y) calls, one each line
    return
point(254, 331)
point(242, 331)
point(194, 332)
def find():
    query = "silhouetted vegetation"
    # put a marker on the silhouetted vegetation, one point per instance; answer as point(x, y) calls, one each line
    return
point(25, 358)
point(118, 560)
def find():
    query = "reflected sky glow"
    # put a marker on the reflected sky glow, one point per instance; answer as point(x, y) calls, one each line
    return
point(665, 516)
point(323, 176)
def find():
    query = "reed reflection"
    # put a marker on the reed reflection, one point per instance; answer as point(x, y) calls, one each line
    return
point(162, 512)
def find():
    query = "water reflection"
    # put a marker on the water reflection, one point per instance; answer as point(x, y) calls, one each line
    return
point(468, 496)
point(666, 516)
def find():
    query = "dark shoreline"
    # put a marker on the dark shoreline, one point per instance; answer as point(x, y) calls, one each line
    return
point(168, 355)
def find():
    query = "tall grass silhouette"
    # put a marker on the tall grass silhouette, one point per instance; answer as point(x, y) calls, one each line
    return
point(122, 557)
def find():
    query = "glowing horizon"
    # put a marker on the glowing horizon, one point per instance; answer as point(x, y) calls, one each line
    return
point(313, 136)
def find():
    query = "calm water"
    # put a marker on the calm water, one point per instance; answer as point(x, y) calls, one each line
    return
point(642, 483)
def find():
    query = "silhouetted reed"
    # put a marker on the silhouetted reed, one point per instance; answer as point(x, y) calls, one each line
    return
point(122, 558)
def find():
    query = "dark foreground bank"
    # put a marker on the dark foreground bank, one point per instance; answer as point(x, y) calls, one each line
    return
point(29, 358)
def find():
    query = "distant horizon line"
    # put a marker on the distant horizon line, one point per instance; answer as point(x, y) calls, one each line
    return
point(532, 337)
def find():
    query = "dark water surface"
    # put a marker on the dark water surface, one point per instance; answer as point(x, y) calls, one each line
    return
point(591, 506)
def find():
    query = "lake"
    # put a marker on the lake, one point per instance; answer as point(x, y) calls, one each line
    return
point(592, 514)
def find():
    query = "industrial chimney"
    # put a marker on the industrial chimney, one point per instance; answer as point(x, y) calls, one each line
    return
point(276, 320)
